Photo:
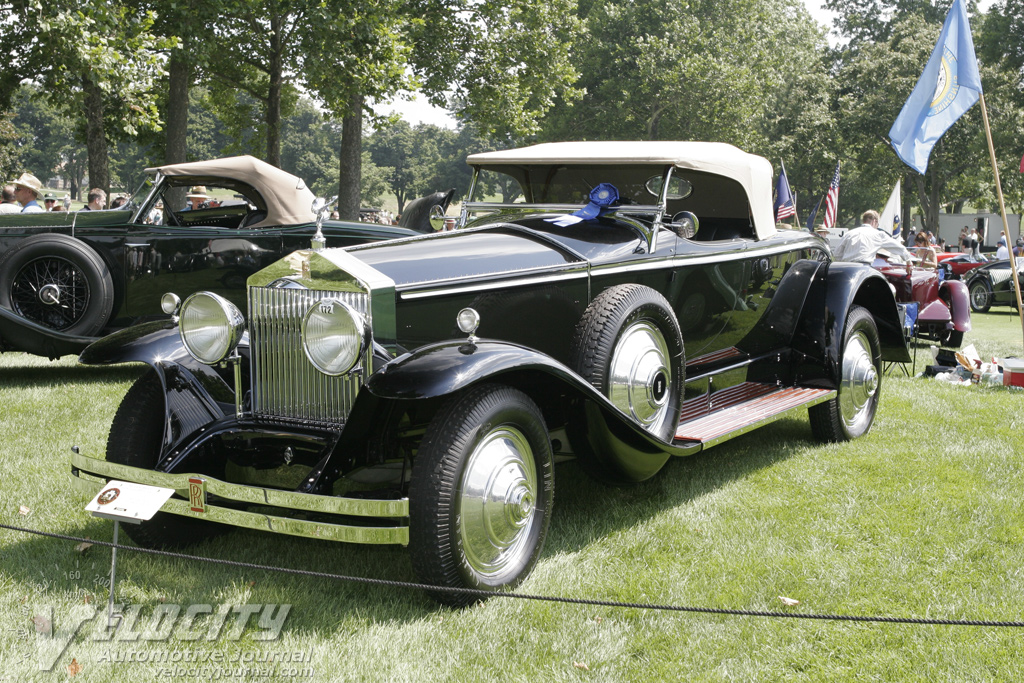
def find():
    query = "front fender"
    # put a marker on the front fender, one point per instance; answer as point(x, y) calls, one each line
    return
point(195, 394)
point(440, 369)
point(446, 367)
point(21, 334)
point(956, 294)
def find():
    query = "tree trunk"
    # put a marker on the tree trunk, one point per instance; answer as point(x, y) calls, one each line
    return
point(350, 159)
point(274, 92)
point(95, 138)
point(179, 74)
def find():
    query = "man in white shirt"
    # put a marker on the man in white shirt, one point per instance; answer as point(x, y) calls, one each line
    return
point(1002, 252)
point(862, 244)
point(8, 204)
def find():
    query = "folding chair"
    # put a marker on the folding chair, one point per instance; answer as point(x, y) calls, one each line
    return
point(908, 319)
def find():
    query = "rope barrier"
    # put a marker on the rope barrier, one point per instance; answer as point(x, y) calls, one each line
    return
point(527, 596)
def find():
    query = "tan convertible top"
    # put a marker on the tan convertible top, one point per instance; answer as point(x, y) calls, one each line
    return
point(287, 199)
point(754, 173)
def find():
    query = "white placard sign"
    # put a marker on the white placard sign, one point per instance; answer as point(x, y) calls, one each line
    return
point(123, 501)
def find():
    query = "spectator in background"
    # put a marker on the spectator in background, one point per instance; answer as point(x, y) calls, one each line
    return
point(1018, 247)
point(923, 250)
point(97, 200)
point(1001, 251)
point(27, 190)
point(8, 204)
point(49, 200)
point(197, 198)
point(965, 241)
point(862, 243)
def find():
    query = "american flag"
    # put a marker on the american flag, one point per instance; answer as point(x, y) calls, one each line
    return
point(784, 206)
point(832, 200)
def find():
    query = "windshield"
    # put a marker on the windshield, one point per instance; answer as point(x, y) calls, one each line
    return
point(553, 184)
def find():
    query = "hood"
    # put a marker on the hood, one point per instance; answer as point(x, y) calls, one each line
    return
point(494, 247)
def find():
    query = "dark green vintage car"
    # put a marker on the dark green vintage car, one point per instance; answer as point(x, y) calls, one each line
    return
point(620, 304)
point(992, 285)
point(68, 277)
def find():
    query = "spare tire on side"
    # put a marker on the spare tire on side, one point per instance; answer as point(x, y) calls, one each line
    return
point(59, 282)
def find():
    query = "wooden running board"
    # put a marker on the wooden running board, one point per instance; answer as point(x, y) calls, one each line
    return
point(739, 409)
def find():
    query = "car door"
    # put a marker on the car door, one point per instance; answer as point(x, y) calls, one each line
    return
point(187, 259)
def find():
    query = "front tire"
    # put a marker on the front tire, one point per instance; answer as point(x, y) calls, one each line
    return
point(850, 413)
point(134, 440)
point(481, 493)
point(980, 295)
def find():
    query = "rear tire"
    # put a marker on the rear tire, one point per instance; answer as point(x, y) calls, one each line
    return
point(851, 411)
point(59, 282)
point(134, 440)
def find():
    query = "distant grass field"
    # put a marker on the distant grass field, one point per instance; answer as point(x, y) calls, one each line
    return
point(920, 518)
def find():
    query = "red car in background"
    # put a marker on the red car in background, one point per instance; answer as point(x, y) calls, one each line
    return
point(943, 306)
point(957, 264)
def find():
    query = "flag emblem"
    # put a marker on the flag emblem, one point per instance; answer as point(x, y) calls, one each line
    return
point(946, 85)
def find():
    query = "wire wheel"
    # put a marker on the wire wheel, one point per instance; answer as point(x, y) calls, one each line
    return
point(59, 282)
point(980, 296)
point(51, 291)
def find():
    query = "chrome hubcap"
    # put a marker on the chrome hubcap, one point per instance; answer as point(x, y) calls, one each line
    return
point(859, 384)
point(497, 503)
point(639, 375)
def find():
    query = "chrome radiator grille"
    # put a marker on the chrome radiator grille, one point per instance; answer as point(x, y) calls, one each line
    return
point(284, 383)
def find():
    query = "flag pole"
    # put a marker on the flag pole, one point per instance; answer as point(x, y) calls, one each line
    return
point(1002, 210)
point(792, 195)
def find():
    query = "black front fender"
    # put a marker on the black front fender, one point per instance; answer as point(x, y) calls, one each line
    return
point(195, 393)
point(441, 369)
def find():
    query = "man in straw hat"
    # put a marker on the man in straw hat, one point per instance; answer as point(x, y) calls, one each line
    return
point(196, 198)
point(27, 190)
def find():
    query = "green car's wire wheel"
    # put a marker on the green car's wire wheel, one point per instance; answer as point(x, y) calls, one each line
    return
point(58, 282)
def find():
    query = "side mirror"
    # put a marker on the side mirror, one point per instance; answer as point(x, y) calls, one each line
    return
point(437, 217)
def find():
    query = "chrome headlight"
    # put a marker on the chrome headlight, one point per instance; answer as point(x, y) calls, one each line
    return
point(333, 336)
point(210, 327)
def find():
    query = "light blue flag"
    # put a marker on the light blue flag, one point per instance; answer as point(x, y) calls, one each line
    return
point(949, 86)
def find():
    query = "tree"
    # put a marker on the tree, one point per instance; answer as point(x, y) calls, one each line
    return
point(876, 80)
point(102, 63)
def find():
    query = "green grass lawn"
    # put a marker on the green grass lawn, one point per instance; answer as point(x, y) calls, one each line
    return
point(921, 518)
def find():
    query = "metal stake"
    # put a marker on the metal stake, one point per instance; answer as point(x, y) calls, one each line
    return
point(112, 619)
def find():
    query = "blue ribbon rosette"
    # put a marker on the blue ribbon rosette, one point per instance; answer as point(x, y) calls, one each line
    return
point(602, 197)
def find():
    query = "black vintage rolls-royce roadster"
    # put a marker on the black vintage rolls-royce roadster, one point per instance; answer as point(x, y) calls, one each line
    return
point(68, 277)
point(622, 303)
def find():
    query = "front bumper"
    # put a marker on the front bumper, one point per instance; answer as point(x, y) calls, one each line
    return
point(387, 520)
